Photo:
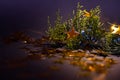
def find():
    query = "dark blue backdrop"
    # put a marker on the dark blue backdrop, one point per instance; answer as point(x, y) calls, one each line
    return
point(32, 14)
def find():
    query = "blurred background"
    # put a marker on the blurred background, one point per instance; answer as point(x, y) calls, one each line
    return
point(31, 15)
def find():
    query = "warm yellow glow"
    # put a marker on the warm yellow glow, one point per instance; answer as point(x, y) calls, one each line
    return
point(90, 59)
point(115, 29)
point(91, 68)
point(87, 14)
point(71, 55)
point(102, 65)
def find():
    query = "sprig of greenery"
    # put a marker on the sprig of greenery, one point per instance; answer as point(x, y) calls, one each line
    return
point(91, 25)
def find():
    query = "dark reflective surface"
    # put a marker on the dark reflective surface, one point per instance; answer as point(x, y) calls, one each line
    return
point(22, 60)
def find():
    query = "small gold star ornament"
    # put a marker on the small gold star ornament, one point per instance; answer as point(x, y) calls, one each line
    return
point(87, 14)
point(72, 33)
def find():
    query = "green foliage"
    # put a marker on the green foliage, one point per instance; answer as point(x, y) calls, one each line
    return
point(91, 25)
point(73, 43)
point(107, 42)
point(57, 32)
point(115, 44)
point(112, 43)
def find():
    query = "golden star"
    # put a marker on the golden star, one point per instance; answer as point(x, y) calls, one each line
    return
point(87, 14)
point(72, 33)
point(115, 29)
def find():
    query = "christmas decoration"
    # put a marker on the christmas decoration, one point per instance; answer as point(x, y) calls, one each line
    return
point(81, 40)
point(87, 14)
point(72, 33)
point(85, 28)
point(115, 29)
point(113, 39)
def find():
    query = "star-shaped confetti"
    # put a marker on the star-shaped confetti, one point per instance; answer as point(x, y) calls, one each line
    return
point(87, 14)
point(72, 33)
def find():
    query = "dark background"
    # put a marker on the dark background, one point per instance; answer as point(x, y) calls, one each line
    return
point(31, 15)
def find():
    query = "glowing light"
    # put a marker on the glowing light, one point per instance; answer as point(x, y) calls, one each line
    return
point(102, 65)
point(90, 59)
point(24, 41)
point(82, 31)
point(71, 55)
point(115, 30)
point(91, 68)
